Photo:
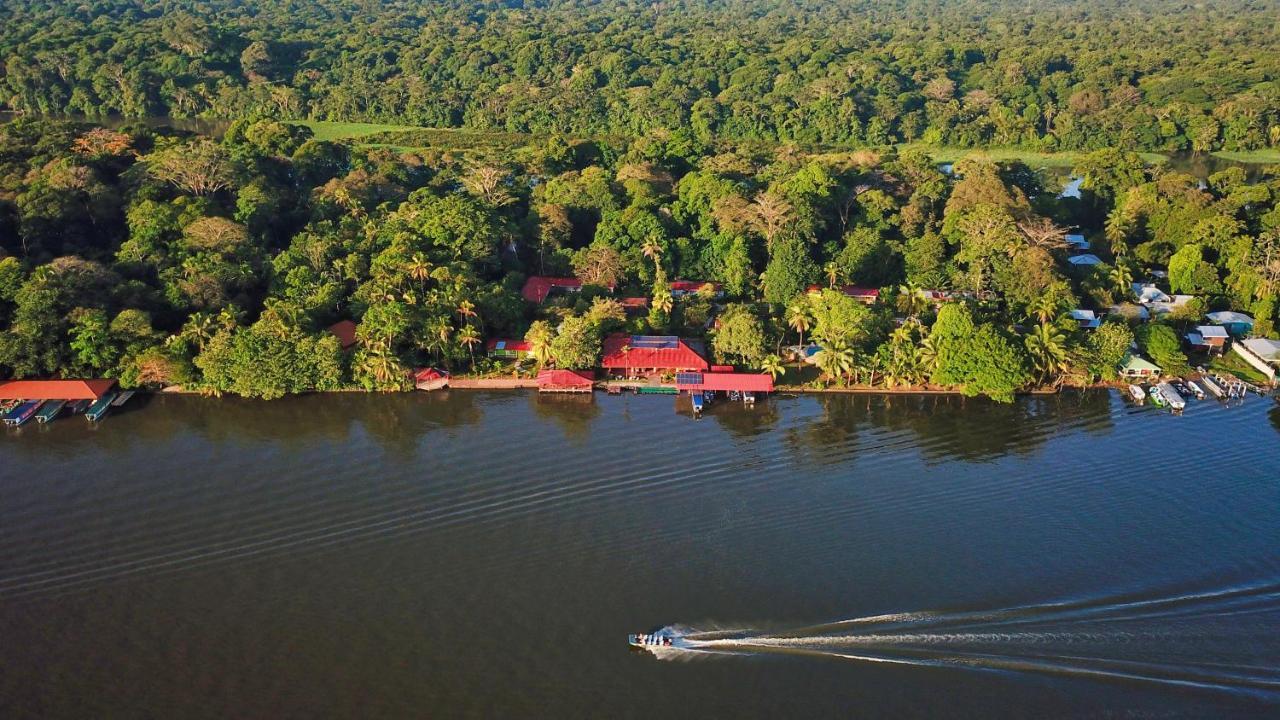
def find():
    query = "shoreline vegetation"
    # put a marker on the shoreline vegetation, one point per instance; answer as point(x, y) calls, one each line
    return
point(720, 182)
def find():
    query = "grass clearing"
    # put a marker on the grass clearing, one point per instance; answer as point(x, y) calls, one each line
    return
point(1261, 157)
point(334, 131)
point(1032, 158)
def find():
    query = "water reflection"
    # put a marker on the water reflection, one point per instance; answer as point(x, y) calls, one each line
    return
point(573, 412)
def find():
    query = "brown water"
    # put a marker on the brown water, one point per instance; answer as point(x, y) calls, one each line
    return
point(484, 555)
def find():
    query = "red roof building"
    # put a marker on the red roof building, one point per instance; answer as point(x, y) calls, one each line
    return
point(635, 304)
point(430, 379)
point(725, 382)
point(537, 288)
point(565, 381)
point(867, 296)
point(632, 354)
point(506, 348)
point(680, 288)
point(55, 389)
point(345, 331)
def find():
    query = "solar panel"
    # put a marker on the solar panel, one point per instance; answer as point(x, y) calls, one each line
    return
point(688, 378)
point(655, 342)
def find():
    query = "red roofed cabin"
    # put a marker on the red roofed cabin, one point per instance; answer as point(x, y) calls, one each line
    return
point(725, 382)
point(866, 296)
point(509, 349)
point(632, 355)
point(572, 381)
point(55, 389)
point(537, 288)
point(345, 331)
point(681, 288)
point(430, 379)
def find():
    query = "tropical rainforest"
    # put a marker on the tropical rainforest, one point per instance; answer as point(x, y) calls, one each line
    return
point(755, 145)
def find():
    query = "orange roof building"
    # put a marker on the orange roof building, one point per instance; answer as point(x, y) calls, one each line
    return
point(55, 389)
point(345, 331)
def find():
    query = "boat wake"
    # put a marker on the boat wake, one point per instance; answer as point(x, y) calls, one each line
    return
point(1215, 639)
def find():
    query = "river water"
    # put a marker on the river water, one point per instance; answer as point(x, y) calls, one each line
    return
point(471, 554)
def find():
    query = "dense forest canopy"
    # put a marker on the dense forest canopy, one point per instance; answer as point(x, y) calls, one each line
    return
point(1057, 74)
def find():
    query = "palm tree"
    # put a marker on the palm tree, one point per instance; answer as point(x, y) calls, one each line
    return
point(652, 250)
point(1044, 307)
point(1047, 345)
point(470, 337)
point(798, 317)
point(1121, 278)
point(772, 364)
point(835, 360)
point(419, 268)
point(466, 310)
point(540, 336)
point(911, 300)
point(832, 271)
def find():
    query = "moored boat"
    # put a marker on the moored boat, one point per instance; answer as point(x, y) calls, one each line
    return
point(1212, 387)
point(100, 407)
point(1137, 393)
point(49, 411)
point(1157, 398)
point(22, 413)
point(1195, 389)
point(1171, 396)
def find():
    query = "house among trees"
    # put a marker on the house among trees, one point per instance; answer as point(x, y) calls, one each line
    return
point(538, 287)
point(1262, 353)
point(1208, 338)
point(1075, 241)
point(1085, 260)
point(1147, 293)
point(1087, 319)
point(635, 305)
point(345, 331)
point(640, 355)
point(507, 349)
point(1236, 323)
point(866, 296)
point(681, 288)
point(1134, 366)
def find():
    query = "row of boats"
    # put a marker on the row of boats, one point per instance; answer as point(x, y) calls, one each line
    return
point(1173, 394)
point(703, 398)
point(18, 412)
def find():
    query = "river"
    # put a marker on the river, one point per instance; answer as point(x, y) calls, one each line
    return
point(470, 554)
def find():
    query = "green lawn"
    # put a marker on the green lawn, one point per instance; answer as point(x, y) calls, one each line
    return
point(1271, 155)
point(1031, 158)
point(1234, 364)
point(331, 131)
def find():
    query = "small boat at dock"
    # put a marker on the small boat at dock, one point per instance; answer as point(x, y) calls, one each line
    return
point(1171, 396)
point(1212, 387)
point(1194, 389)
point(100, 407)
point(22, 413)
point(698, 402)
point(1137, 393)
point(1157, 398)
point(49, 411)
point(79, 406)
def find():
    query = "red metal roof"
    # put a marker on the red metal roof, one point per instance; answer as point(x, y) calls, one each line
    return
point(537, 287)
point(510, 345)
point(345, 331)
point(867, 295)
point(422, 375)
point(691, 286)
point(628, 351)
point(54, 389)
point(721, 368)
point(723, 382)
point(635, 302)
point(565, 378)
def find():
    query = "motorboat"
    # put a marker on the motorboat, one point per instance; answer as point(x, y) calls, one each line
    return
point(1195, 389)
point(1137, 393)
point(1171, 396)
point(698, 401)
point(1157, 398)
point(654, 640)
point(23, 412)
